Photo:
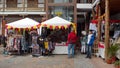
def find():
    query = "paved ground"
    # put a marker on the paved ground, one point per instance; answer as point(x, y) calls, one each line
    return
point(56, 61)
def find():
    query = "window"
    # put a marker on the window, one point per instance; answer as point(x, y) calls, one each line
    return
point(85, 1)
point(11, 3)
point(40, 1)
point(62, 11)
point(60, 1)
point(32, 3)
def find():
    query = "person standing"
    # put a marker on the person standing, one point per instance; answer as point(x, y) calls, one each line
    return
point(40, 41)
point(90, 42)
point(4, 43)
point(83, 41)
point(72, 38)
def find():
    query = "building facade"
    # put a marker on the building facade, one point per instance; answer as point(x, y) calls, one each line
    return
point(12, 10)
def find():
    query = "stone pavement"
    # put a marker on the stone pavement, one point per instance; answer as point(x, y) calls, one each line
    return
point(56, 61)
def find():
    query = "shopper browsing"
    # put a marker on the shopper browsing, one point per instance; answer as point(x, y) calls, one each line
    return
point(72, 38)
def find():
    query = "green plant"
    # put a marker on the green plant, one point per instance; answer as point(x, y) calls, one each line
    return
point(117, 63)
point(112, 50)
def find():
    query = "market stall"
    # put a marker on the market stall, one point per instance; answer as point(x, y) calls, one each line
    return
point(59, 33)
point(18, 34)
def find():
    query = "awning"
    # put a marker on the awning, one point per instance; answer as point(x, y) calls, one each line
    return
point(23, 23)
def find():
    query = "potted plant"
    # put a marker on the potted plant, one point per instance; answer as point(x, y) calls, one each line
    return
point(117, 64)
point(112, 52)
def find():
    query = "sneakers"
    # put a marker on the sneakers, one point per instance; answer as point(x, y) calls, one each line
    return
point(88, 57)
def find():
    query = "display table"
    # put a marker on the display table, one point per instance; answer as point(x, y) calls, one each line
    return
point(60, 48)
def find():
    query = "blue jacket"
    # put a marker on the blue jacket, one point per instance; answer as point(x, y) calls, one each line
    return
point(91, 42)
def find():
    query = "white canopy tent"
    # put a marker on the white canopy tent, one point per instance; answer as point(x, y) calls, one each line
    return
point(23, 23)
point(60, 22)
point(56, 21)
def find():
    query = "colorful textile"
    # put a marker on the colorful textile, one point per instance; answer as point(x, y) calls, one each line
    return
point(46, 45)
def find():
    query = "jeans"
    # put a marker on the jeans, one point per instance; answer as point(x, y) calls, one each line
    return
point(89, 51)
point(71, 46)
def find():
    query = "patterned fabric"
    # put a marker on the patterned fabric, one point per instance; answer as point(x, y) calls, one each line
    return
point(34, 39)
point(10, 41)
point(23, 44)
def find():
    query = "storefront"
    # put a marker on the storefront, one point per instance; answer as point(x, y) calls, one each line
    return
point(107, 25)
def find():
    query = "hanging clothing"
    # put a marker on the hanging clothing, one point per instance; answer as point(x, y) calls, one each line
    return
point(34, 39)
point(15, 44)
point(116, 34)
point(34, 42)
point(35, 46)
point(10, 41)
point(23, 44)
point(92, 26)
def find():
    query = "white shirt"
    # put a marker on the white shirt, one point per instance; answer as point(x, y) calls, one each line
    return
point(89, 37)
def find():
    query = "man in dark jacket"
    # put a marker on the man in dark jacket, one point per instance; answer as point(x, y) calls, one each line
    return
point(40, 41)
point(72, 38)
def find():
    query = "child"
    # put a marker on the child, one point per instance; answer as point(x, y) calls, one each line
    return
point(83, 42)
point(46, 43)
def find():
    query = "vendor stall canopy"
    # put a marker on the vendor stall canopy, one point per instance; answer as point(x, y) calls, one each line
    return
point(23, 23)
point(56, 22)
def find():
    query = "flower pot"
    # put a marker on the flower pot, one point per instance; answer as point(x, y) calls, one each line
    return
point(109, 61)
point(117, 66)
point(113, 59)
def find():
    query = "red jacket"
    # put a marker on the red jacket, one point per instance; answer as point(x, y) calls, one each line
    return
point(72, 38)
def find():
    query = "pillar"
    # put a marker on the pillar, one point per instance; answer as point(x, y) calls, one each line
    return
point(75, 11)
point(3, 26)
point(106, 28)
point(99, 25)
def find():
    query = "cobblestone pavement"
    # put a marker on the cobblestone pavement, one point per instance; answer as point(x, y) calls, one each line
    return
point(56, 61)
